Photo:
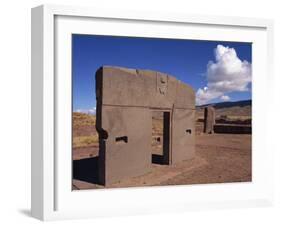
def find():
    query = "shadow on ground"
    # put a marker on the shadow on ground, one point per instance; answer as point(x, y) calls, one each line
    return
point(157, 159)
point(25, 212)
point(86, 170)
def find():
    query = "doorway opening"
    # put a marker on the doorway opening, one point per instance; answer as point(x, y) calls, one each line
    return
point(160, 139)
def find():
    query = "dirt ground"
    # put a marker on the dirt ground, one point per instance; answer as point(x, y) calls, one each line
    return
point(219, 158)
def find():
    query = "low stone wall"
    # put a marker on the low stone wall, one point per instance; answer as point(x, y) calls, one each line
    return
point(225, 128)
point(233, 129)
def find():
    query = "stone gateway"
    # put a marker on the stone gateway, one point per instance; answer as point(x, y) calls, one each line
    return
point(125, 101)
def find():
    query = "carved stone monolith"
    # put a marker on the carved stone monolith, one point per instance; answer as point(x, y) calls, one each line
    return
point(209, 119)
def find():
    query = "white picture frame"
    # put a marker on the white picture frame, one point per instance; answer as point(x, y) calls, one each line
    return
point(52, 197)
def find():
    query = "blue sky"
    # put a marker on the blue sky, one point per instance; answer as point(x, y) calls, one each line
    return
point(187, 60)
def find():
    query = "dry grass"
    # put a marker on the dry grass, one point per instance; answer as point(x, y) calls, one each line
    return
point(232, 113)
point(237, 111)
point(81, 119)
point(85, 141)
point(234, 117)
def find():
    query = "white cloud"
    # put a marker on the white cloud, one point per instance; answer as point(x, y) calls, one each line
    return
point(91, 111)
point(225, 98)
point(227, 74)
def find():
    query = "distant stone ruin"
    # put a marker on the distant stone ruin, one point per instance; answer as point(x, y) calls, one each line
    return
point(209, 119)
point(211, 125)
point(125, 101)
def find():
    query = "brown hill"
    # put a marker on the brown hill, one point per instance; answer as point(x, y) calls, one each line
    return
point(239, 110)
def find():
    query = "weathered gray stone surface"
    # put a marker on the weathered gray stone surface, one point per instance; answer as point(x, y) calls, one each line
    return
point(183, 130)
point(143, 88)
point(125, 100)
point(209, 119)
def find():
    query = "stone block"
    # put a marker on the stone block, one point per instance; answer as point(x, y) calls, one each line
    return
point(209, 119)
point(125, 101)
